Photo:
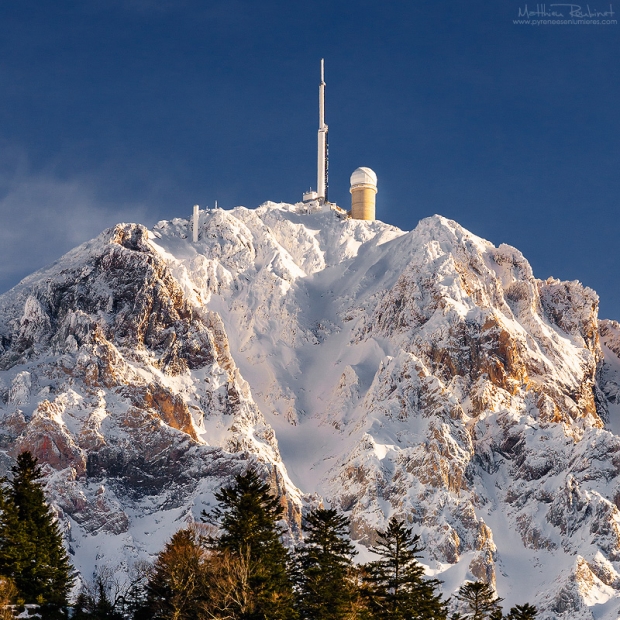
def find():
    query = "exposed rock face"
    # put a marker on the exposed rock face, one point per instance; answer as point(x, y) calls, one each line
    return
point(426, 374)
point(113, 374)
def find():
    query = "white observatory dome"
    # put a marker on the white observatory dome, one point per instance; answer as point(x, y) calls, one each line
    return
point(363, 176)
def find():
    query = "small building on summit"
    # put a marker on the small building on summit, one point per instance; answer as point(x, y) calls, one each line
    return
point(363, 191)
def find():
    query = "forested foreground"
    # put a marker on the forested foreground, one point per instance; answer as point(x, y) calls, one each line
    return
point(233, 566)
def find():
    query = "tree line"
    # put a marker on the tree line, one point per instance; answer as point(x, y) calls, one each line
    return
point(234, 566)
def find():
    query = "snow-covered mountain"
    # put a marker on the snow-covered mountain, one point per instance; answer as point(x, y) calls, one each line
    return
point(426, 374)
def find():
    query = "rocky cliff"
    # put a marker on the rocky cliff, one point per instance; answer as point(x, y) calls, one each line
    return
point(426, 374)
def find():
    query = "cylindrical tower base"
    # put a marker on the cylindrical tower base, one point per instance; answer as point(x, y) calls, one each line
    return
point(363, 192)
point(363, 202)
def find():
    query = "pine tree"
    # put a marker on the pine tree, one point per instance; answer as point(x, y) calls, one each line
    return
point(31, 548)
point(523, 612)
point(478, 601)
point(248, 515)
point(396, 586)
point(324, 566)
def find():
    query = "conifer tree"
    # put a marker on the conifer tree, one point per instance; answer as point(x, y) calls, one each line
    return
point(523, 612)
point(396, 586)
point(324, 566)
point(31, 548)
point(248, 515)
point(478, 601)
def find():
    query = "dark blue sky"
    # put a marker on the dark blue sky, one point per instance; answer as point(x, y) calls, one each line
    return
point(124, 110)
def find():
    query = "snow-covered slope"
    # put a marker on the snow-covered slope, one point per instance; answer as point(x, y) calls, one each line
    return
point(426, 374)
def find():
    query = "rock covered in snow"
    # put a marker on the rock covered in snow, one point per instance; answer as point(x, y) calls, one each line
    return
point(424, 374)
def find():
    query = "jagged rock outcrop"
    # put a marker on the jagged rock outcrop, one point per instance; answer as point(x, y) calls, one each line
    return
point(425, 374)
point(101, 355)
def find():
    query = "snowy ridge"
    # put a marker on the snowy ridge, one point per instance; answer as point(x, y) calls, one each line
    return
point(426, 374)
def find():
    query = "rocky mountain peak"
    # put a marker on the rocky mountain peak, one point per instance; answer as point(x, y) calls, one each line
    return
point(425, 374)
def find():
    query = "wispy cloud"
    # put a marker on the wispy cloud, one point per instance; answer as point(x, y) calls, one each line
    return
point(42, 217)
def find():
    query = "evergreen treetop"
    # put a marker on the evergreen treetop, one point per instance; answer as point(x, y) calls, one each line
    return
point(523, 612)
point(31, 546)
point(327, 535)
point(478, 601)
point(326, 590)
point(248, 515)
point(396, 586)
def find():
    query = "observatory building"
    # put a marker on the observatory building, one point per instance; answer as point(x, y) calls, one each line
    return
point(363, 191)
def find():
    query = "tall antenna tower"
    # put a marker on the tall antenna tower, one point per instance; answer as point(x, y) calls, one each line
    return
point(321, 182)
